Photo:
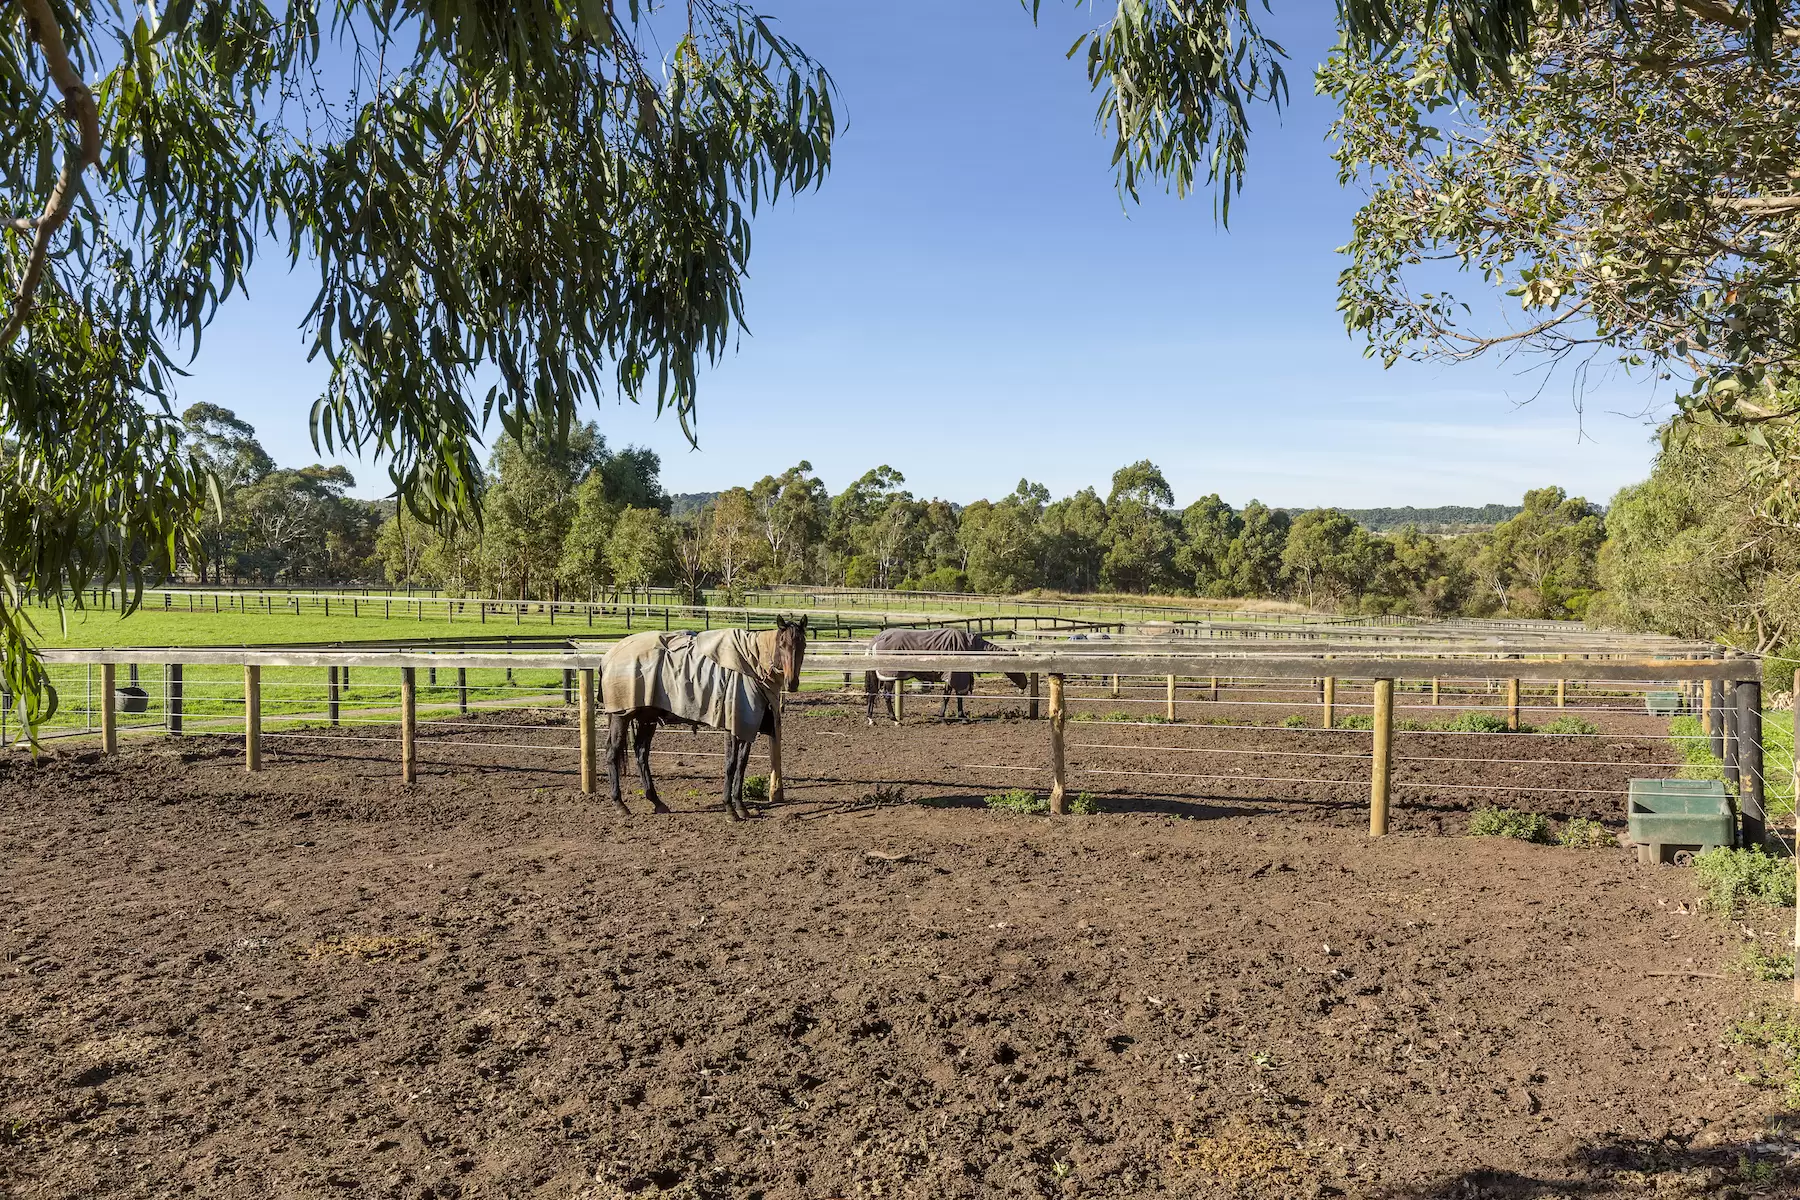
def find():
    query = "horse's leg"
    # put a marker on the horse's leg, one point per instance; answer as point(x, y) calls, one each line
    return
point(737, 764)
point(870, 686)
point(944, 708)
point(646, 733)
point(615, 756)
point(960, 714)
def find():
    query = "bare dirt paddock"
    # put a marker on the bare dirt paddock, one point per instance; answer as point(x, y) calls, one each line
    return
point(317, 982)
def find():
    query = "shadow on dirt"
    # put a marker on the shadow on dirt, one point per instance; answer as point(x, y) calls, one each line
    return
point(1639, 1167)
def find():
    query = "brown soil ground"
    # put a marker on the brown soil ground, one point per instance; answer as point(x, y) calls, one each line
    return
point(315, 981)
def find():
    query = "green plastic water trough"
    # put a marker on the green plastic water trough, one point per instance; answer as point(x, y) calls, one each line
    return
point(1666, 818)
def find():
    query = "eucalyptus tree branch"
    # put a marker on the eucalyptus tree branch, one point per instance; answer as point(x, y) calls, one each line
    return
point(1731, 18)
point(78, 100)
point(1767, 206)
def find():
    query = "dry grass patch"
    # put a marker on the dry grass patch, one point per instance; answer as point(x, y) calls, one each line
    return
point(1235, 1154)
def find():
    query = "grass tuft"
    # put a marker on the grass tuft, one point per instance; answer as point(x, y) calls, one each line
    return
point(1477, 722)
point(1584, 833)
point(756, 789)
point(1510, 823)
point(1733, 880)
point(1085, 804)
point(1764, 965)
point(1569, 725)
point(1776, 1032)
point(1018, 800)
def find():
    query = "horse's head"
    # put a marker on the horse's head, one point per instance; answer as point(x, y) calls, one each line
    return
point(1018, 680)
point(790, 650)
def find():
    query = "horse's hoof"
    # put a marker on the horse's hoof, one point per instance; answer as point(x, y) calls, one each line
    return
point(621, 810)
point(659, 807)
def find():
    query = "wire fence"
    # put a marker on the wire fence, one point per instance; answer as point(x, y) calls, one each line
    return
point(1240, 737)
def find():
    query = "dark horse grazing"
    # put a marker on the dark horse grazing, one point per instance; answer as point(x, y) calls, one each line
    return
point(728, 679)
point(942, 641)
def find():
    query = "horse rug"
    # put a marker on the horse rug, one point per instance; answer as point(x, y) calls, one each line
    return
point(716, 678)
point(941, 641)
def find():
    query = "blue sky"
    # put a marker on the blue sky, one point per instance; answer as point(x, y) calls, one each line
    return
point(968, 300)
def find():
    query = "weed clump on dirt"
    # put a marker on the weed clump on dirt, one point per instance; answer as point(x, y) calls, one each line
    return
point(1777, 1033)
point(756, 789)
point(1293, 721)
point(886, 793)
point(372, 947)
point(1567, 725)
point(1764, 965)
point(1018, 800)
point(1732, 880)
point(1357, 721)
point(1510, 823)
point(1476, 722)
point(1031, 804)
point(1585, 833)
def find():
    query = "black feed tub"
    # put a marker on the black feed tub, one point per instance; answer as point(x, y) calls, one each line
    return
point(131, 700)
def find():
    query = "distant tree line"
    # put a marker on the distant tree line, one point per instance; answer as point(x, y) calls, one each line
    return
point(577, 519)
point(581, 520)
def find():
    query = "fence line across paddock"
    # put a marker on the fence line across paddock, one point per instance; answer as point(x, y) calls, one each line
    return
point(276, 694)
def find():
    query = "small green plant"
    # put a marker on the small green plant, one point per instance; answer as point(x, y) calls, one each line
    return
point(1584, 833)
point(1477, 722)
point(1732, 880)
point(886, 793)
point(1293, 721)
point(1357, 721)
point(756, 789)
point(1510, 823)
point(1765, 965)
point(1567, 725)
point(1409, 726)
point(1777, 1033)
point(1018, 800)
point(1085, 804)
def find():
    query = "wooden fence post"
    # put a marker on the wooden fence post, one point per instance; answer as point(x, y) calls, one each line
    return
point(1031, 713)
point(1058, 774)
point(462, 691)
point(1512, 704)
point(587, 729)
point(1562, 693)
point(1328, 694)
point(1434, 691)
point(173, 706)
point(109, 717)
point(409, 760)
point(1115, 687)
point(1712, 710)
point(331, 694)
point(568, 685)
point(1170, 708)
point(1729, 735)
point(252, 718)
point(1381, 765)
point(1750, 761)
point(1212, 688)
